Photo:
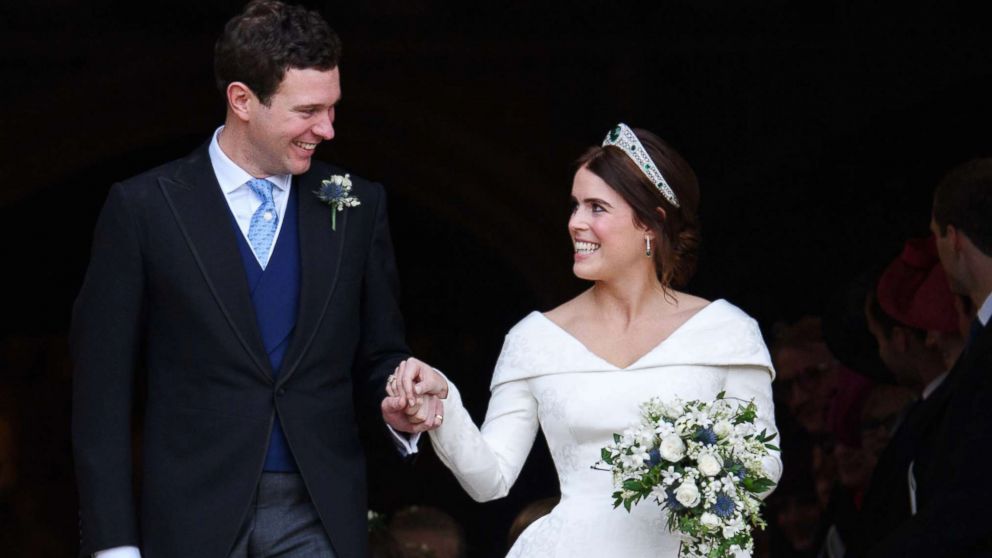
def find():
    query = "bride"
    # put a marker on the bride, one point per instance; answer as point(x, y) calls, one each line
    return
point(581, 370)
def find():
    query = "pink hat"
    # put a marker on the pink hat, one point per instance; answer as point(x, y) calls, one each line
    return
point(913, 290)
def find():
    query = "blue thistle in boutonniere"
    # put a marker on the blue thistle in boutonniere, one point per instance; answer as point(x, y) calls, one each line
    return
point(336, 192)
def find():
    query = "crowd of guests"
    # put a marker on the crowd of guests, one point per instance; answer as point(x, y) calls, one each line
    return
point(416, 532)
point(429, 532)
point(37, 489)
point(882, 403)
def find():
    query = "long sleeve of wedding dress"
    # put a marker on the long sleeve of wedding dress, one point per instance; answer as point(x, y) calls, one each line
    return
point(752, 382)
point(486, 462)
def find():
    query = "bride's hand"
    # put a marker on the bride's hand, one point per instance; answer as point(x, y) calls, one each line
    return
point(413, 379)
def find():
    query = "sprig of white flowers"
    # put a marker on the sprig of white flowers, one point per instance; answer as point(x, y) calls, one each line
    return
point(702, 461)
point(336, 192)
point(376, 521)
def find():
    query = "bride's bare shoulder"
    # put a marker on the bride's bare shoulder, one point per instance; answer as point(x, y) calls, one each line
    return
point(690, 303)
point(569, 311)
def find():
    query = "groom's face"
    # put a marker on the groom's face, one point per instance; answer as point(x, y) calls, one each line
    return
point(300, 115)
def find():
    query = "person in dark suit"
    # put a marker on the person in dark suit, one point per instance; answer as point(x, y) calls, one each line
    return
point(950, 496)
point(913, 317)
point(264, 318)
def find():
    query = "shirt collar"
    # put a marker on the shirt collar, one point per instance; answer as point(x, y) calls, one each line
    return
point(985, 311)
point(230, 175)
point(933, 385)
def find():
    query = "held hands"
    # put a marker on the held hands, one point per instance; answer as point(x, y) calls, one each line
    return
point(415, 392)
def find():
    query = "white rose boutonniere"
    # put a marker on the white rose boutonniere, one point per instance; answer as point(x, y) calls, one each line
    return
point(336, 192)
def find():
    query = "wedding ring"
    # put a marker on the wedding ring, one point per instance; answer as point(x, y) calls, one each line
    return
point(391, 378)
point(439, 418)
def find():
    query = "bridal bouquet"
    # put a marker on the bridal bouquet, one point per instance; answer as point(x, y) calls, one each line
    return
point(701, 461)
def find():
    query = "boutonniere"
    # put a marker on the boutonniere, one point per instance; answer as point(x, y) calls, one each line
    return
point(336, 192)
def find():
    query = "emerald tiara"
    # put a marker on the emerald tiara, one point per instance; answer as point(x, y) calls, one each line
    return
point(623, 137)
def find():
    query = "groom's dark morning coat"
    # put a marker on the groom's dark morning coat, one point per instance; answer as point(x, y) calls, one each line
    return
point(166, 293)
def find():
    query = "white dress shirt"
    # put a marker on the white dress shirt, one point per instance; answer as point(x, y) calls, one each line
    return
point(243, 202)
point(933, 385)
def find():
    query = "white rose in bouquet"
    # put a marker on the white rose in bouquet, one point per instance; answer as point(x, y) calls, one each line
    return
point(709, 520)
point(709, 464)
point(687, 494)
point(723, 428)
point(672, 448)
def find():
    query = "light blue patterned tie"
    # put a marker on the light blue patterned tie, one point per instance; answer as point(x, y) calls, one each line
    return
point(262, 229)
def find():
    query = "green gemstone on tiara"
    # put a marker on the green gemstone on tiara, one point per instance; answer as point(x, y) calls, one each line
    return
point(615, 133)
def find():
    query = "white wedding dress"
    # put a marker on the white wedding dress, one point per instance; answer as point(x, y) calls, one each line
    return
point(546, 377)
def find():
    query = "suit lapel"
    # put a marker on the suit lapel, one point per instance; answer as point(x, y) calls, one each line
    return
point(321, 249)
point(204, 218)
point(966, 368)
point(950, 401)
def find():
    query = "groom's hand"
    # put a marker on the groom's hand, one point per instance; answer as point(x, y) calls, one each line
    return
point(415, 391)
point(426, 413)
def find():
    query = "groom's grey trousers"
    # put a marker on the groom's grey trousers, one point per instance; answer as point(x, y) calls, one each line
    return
point(282, 523)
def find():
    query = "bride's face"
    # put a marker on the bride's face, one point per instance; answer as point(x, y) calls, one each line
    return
point(606, 241)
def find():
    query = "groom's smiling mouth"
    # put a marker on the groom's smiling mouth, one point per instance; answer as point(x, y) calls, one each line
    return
point(582, 247)
point(304, 145)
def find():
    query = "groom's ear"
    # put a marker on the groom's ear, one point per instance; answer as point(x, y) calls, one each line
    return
point(241, 100)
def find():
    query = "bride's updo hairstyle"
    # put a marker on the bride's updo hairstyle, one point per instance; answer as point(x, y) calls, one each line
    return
point(677, 234)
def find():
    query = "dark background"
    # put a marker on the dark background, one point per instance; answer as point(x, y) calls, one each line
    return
point(818, 131)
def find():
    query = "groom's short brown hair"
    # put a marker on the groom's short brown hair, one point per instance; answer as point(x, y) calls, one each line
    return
point(268, 38)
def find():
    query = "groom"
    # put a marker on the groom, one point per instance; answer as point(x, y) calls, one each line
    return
point(264, 328)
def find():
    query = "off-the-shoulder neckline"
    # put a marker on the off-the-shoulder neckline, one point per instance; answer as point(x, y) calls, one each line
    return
point(573, 339)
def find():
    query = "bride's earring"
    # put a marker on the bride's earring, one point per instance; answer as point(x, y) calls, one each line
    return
point(647, 246)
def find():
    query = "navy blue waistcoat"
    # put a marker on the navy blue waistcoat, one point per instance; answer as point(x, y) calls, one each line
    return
point(275, 294)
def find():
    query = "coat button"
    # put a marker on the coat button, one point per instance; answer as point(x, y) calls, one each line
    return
point(281, 392)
